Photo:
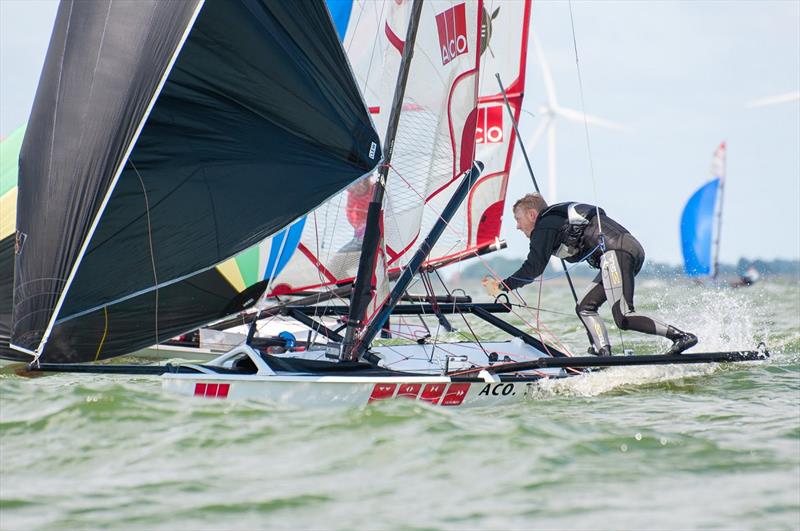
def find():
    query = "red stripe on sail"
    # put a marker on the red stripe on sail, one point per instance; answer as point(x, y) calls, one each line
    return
point(489, 224)
point(396, 41)
point(322, 269)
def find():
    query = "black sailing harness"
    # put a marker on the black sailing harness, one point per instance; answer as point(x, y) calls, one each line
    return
point(578, 217)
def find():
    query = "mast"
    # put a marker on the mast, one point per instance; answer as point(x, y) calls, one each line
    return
point(721, 153)
point(369, 248)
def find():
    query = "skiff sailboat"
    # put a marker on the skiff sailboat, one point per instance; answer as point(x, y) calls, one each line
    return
point(178, 154)
point(701, 222)
point(701, 226)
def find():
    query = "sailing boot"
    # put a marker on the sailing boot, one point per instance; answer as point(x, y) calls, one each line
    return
point(605, 350)
point(680, 341)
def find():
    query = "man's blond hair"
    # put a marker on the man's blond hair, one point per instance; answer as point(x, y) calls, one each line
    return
point(531, 202)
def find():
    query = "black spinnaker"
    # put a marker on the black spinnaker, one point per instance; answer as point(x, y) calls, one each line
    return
point(165, 138)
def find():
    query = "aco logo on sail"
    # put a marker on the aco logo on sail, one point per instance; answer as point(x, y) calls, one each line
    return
point(452, 26)
point(489, 129)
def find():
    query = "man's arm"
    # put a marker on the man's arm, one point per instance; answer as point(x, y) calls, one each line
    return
point(542, 240)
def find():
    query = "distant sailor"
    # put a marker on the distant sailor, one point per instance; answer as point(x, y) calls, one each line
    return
point(748, 278)
point(575, 232)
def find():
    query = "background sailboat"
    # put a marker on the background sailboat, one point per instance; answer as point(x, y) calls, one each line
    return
point(701, 222)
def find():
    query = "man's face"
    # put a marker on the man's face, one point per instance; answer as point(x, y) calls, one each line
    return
point(526, 220)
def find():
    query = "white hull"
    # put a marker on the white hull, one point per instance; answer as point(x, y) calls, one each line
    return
point(427, 384)
point(338, 391)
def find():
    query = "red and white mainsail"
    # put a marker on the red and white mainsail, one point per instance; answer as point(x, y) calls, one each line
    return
point(451, 115)
point(504, 42)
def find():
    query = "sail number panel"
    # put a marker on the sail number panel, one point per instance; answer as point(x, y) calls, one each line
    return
point(443, 394)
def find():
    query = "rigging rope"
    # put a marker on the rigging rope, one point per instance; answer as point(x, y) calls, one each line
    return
point(589, 149)
point(152, 253)
point(475, 253)
point(585, 119)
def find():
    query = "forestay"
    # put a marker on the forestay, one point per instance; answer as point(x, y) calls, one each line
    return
point(166, 137)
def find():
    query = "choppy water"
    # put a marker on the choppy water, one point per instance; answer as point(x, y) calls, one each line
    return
point(634, 448)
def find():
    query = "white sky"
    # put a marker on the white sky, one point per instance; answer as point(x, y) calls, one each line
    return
point(678, 75)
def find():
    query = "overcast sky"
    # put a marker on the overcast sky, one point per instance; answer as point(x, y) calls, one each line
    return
point(677, 75)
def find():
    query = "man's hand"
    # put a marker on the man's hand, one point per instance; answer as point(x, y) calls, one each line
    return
point(492, 286)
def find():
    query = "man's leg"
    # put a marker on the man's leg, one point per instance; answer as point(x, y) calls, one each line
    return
point(618, 270)
point(587, 312)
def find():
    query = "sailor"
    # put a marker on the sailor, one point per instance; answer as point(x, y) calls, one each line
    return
point(576, 232)
point(359, 196)
point(748, 278)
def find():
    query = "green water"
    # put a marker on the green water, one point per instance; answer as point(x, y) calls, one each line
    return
point(634, 448)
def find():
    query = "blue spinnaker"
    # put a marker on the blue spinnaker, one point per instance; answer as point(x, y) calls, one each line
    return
point(280, 252)
point(340, 13)
point(697, 230)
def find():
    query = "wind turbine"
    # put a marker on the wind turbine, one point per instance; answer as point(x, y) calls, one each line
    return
point(549, 112)
point(775, 100)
